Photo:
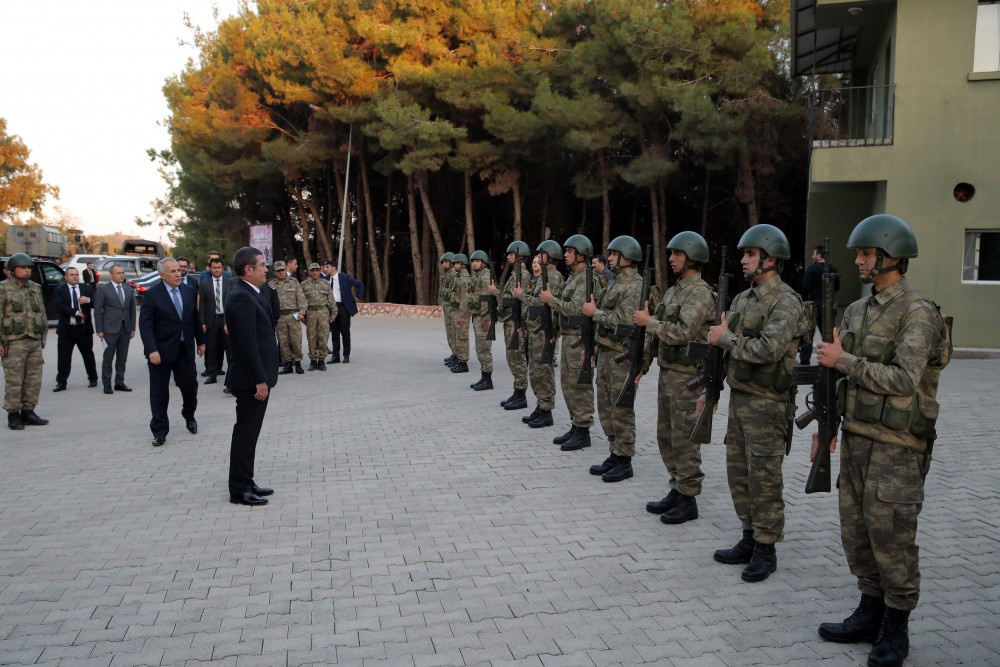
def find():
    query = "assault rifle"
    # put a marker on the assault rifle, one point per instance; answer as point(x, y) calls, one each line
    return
point(821, 403)
point(713, 373)
point(491, 302)
point(544, 313)
point(636, 340)
point(588, 334)
point(514, 304)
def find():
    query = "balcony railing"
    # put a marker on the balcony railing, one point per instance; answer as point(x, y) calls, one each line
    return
point(856, 116)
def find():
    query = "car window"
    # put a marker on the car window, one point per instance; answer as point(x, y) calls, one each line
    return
point(104, 265)
point(53, 276)
point(147, 265)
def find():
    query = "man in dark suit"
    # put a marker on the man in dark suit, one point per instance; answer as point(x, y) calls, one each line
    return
point(341, 284)
point(90, 276)
point(213, 254)
point(253, 370)
point(211, 302)
point(114, 321)
point(74, 302)
point(170, 331)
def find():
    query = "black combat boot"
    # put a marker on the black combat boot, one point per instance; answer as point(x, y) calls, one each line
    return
point(578, 440)
point(621, 471)
point(543, 419)
point(665, 505)
point(763, 562)
point(740, 553)
point(519, 402)
point(560, 439)
point(321, 365)
point(298, 368)
point(504, 402)
point(14, 422)
point(29, 418)
point(286, 369)
point(448, 361)
point(312, 365)
point(485, 382)
point(861, 626)
point(893, 642)
point(534, 413)
point(605, 466)
point(451, 364)
point(460, 367)
point(685, 510)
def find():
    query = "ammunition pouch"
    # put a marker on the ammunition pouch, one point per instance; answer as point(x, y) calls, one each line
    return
point(671, 354)
point(776, 376)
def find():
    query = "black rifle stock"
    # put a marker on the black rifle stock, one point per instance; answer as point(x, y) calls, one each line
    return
point(588, 334)
point(544, 313)
point(514, 304)
point(636, 340)
point(821, 403)
point(713, 372)
point(491, 302)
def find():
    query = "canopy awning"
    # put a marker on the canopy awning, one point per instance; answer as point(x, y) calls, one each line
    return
point(824, 51)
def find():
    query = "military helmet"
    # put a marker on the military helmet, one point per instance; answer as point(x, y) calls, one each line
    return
point(460, 258)
point(550, 248)
point(691, 244)
point(886, 232)
point(768, 238)
point(19, 259)
point(447, 257)
point(628, 247)
point(581, 244)
point(519, 247)
point(481, 256)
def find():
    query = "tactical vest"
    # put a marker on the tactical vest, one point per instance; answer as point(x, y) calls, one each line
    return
point(23, 312)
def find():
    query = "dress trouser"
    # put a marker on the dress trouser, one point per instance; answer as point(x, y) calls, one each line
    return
point(215, 343)
point(117, 351)
point(246, 430)
point(75, 336)
point(341, 327)
point(185, 376)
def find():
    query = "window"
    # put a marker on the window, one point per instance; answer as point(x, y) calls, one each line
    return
point(987, 55)
point(981, 262)
point(53, 276)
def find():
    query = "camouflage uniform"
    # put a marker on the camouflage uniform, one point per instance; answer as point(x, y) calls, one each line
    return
point(291, 300)
point(569, 303)
point(542, 376)
point(23, 329)
point(765, 324)
point(460, 310)
point(683, 315)
point(445, 288)
point(478, 285)
point(321, 309)
point(895, 345)
point(616, 305)
point(515, 358)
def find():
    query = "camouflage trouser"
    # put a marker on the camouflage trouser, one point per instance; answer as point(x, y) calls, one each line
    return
point(579, 397)
point(618, 423)
point(542, 376)
point(881, 494)
point(317, 331)
point(449, 326)
point(290, 338)
point(484, 348)
point(674, 422)
point(755, 450)
point(22, 372)
point(460, 333)
point(515, 358)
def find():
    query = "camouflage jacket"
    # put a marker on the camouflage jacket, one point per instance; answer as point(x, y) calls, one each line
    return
point(895, 345)
point(508, 288)
point(319, 297)
point(616, 305)
point(766, 323)
point(568, 301)
point(460, 293)
point(22, 311)
point(479, 282)
point(290, 296)
point(445, 286)
point(530, 297)
point(683, 315)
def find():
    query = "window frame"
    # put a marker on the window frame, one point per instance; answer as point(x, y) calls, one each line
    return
point(973, 254)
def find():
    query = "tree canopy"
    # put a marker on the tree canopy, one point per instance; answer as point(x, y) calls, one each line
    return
point(22, 189)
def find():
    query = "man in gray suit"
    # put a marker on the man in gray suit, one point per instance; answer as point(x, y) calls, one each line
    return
point(114, 322)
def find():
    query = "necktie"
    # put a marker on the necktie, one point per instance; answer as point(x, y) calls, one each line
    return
point(75, 300)
point(176, 295)
point(218, 296)
point(121, 293)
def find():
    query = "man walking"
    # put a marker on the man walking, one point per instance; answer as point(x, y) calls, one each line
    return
point(23, 329)
point(343, 295)
point(75, 328)
point(114, 322)
point(211, 308)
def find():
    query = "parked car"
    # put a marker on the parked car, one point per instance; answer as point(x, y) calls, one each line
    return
point(134, 265)
point(151, 279)
point(80, 261)
point(50, 276)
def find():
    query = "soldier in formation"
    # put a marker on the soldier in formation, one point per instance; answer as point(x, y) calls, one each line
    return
point(518, 253)
point(291, 308)
point(321, 310)
point(23, 329)
point(479, 284)
point(460, 313)
point(445, 286)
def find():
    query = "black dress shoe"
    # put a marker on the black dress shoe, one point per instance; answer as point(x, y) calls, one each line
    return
point(206, 373)
point(247, 498)
point(159, 440)
point(122, 387)
point(92, 384)
point(260, 490)
point(29, 418)
point(107, 389)
point(60, 386)
point(334, 360)
point(192, 425)
point(211, 380)
point(347, 359)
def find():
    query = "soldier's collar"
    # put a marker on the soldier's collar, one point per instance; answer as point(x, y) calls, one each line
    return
point(891, 292)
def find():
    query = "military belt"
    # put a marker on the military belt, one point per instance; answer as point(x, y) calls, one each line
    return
point(317, 308)
point(288, 311)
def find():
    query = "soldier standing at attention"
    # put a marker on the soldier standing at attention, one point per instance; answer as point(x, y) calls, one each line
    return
point(444, 295)
point(616, 305)
point(542, 375)
point(321, 311)
point(460, 312)
point(683, 315)
point(761, 333)
point(478, 286)
point(579, 397)
point(23, 328)
point(515, 358)
point(292, 308)
point(890, 348)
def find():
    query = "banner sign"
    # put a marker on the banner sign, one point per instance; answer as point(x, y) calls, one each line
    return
point(261, 238)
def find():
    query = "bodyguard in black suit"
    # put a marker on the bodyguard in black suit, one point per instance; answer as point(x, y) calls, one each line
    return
point(170, 330)
point(114, 320)
point(253, 370)
point(75, 328)
point(211, 302)
point(343, 294)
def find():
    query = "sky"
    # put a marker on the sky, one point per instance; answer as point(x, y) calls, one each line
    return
point(80, 83)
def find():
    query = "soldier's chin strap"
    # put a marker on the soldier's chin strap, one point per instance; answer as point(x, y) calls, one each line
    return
point(879, 270)
point(760, 270)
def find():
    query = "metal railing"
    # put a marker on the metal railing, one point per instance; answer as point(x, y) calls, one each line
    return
point(855, 116)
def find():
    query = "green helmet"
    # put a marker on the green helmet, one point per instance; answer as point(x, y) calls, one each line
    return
point(581, 244)
point(481, 256)
point(519, 247)
point(447, 257)
point(460, 258)
point(628, 247)
point(691, 244)
point(768, 238)
point(886, 232)
point(19, 259)
point(550, 248)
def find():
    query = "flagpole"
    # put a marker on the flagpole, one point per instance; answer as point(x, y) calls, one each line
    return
point(343, 210)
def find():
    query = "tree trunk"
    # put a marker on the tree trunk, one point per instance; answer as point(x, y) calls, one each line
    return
point(356, 256)
point(605, 209)
point(704, 204)
point(515, 191)
point(420, 289)
point(345, 225)
point(583, 221)
point(306, 227)
point(470, 230)
point(748, 186)
point(366, 197)
point(431, 220)
point(387, 246)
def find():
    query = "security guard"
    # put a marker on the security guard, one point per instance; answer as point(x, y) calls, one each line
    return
point(291, 314)
point(542, 375)
point(23, 329)
point(478, 286)
point(460, 312)
point(445, 285)
point(322, 309)
point(517, 250)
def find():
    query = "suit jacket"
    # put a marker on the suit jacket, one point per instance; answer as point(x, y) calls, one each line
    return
point(346, 295)
point(88, 276)
point(110, 316)
point(64, 305)
point(206, 275)
point(206, 300)
point(253, 344)
point(160, 328)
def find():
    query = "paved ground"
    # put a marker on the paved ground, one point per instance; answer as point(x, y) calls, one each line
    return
point(417, 523)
